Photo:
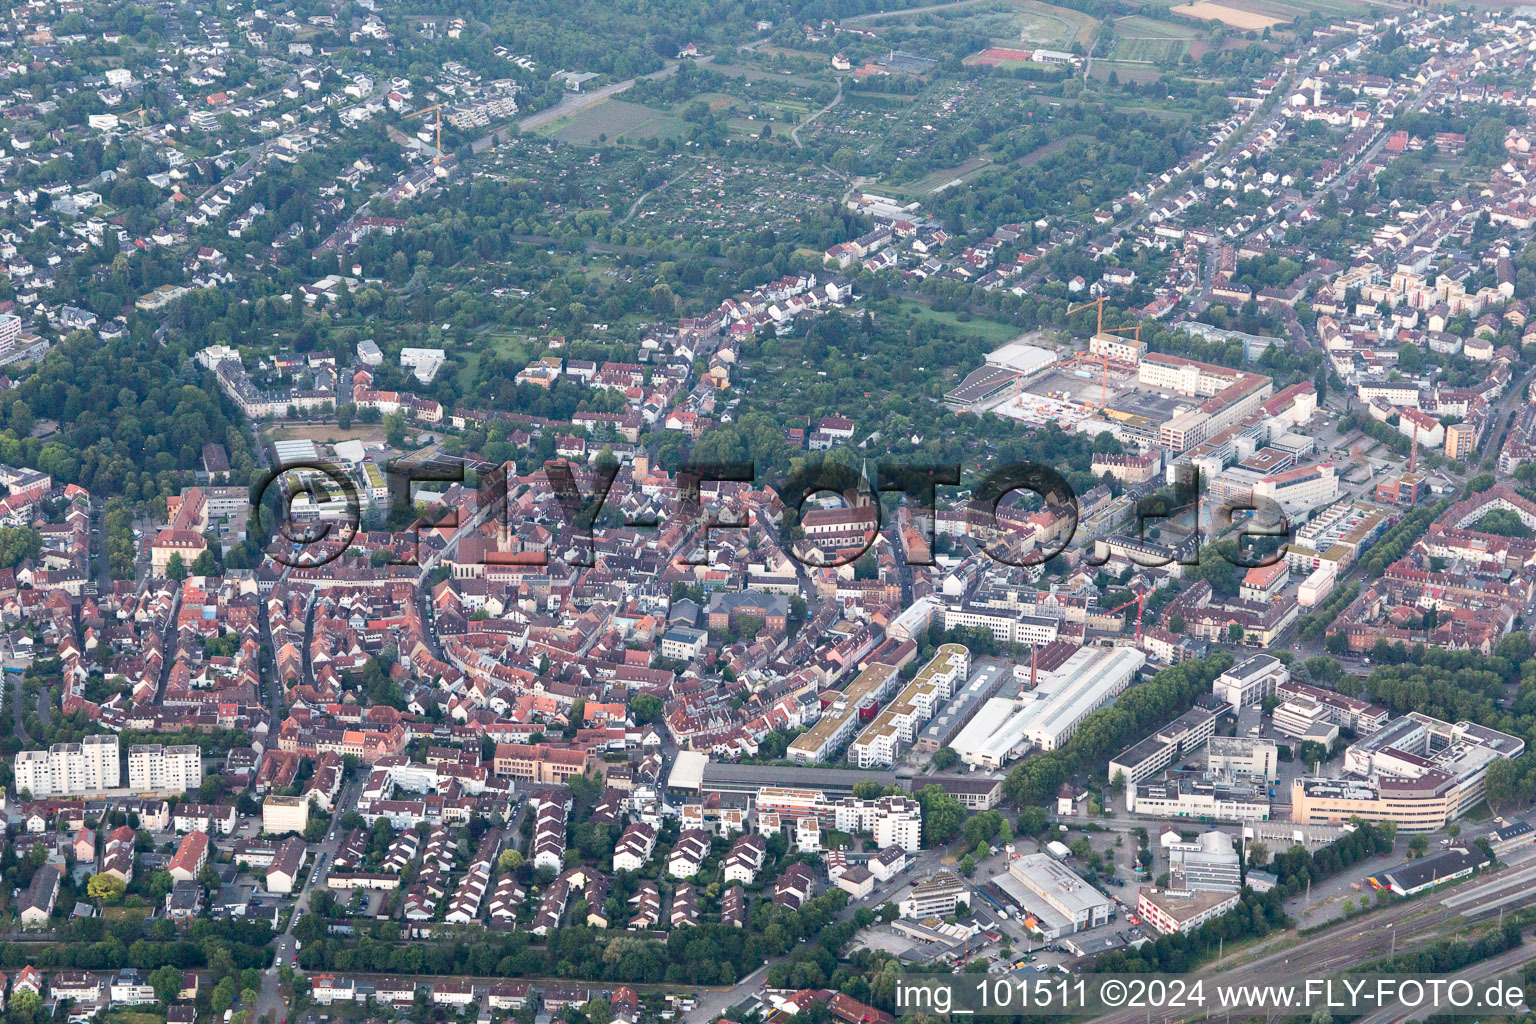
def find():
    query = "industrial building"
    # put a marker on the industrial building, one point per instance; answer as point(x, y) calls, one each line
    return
point(1209, 864)
point(999, 375)
point(1059, 902)
point(948, 722)
point(693, 774)
point(1447, 865)
point(1047, 717)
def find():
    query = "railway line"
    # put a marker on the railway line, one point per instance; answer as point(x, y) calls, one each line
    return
point(1401, 926)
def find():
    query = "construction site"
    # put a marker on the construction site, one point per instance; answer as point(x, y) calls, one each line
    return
point(1035, 385)
point(1075, 393)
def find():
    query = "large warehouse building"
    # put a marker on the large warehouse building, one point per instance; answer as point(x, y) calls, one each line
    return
point(1047, 717)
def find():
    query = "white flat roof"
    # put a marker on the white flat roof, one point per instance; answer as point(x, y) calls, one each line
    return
point(687, 770)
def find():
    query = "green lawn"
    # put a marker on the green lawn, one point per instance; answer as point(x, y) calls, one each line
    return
point(1146, 39)
point(610, 120)
point(990, 331)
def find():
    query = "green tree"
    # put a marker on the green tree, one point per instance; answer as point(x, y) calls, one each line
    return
point(105, 888)
point(175, 568)
point(1032, 820)
point(645, 708)
point(166, 981)
point(18, 544)
point(942, 815)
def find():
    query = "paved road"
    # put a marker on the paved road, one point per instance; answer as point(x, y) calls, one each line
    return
point(17, 697)
point(794, 133)
point(270, 999)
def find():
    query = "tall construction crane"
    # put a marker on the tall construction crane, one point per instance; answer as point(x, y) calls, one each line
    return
point(1103, 358)
point(438, 159)
point(1140, 602)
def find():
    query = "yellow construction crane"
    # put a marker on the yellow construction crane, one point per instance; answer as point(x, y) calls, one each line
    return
point(1104, 359)
point(427, 110)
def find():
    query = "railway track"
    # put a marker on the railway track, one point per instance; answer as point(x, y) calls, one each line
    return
point(1401, 926)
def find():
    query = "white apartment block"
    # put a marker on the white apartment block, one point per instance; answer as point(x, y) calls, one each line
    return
point(892, 820)
point(883, 740)
point(69, 769)
point(153, 768)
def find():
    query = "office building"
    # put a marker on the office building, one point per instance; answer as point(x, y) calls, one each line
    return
point(1207, 796)
point(1247, 683)
point(1175, 911)
point(1345, 712)
point(1418, 771)
point(1243, 755)
point(1177, 739)
point(939, 895)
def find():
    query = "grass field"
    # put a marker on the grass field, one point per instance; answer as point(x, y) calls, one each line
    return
point(1232, 17)
point(1138, 73)
point(933, 183)
point(612, 119)
point(1007, 22)
point(990, 331)
point(1140, 38)
point(758, 74)
point(320, 433)
point(1055, 28)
